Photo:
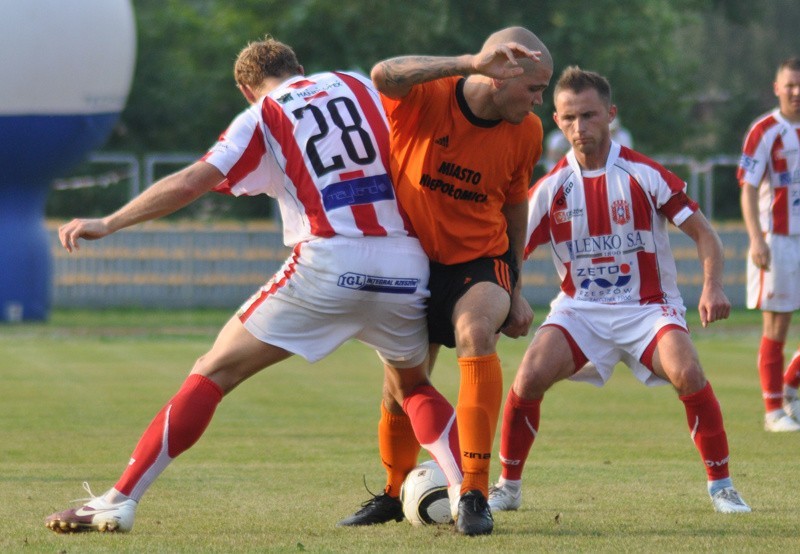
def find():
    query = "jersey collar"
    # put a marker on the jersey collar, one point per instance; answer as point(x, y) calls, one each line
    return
point(471, 117)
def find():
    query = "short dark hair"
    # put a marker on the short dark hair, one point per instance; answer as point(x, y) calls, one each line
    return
point(792, 64)
point(265, 58)
point(575, 79)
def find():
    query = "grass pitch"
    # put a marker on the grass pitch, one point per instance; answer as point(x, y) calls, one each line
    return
point(613, 469)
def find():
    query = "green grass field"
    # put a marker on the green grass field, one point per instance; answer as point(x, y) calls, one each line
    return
point(613, 469)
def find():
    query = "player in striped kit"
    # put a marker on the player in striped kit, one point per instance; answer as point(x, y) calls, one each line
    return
point(319, 145)
point(769, 178)
point(604, 210)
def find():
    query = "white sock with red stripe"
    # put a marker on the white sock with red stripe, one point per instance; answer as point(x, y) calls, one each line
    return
point(434, 421)
point(174, 430)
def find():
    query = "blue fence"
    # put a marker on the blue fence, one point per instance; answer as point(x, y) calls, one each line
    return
point(198, 265)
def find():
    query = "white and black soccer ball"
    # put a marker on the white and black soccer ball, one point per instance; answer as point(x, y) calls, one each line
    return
point(424, 495)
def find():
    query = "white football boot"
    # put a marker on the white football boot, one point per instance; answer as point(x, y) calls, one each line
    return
point(95, 515)
point(778, 421)
point(728, 501)
point(791, 405)
point(502, 499)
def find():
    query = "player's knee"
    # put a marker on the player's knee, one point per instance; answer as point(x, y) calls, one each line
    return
point(531, 382)
point(689, 380)
point(475, 337)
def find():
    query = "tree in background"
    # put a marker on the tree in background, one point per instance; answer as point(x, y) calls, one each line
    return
point(688, 75)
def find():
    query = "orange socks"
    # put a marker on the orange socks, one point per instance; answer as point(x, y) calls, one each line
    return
point(479, 398)
point(398, 449)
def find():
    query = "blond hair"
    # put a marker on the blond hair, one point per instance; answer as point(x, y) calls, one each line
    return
point(265, 58)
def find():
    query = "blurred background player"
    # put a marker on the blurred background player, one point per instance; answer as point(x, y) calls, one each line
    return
point(556, 144)
point(464, 142)
point(769, 178)
point(318, 144)
point(604, 210)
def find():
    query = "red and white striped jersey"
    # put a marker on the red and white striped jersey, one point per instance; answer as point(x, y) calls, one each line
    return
point(607, 228)
point(771, 159)
point(319, 145)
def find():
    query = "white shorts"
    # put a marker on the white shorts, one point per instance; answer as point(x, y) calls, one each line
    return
point(776, 290)
point(331, 290)
point(612, 333)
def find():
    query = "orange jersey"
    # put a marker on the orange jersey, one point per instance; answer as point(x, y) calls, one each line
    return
point(454, 172)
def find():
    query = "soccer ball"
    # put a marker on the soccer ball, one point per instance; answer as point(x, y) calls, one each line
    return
point(424, 495)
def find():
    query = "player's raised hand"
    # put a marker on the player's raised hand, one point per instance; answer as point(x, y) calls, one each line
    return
point(502, 61)
point(88, 229)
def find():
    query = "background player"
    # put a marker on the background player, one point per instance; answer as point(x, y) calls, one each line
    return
point(463, 147)
point(604, 210)
point(319, 145)
point(769, 178)
point(556, 144)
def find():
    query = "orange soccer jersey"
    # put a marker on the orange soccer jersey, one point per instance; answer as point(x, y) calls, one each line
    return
point(454, 172)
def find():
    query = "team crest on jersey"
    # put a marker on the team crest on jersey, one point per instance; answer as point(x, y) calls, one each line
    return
point(285, 98)
point(620, 212)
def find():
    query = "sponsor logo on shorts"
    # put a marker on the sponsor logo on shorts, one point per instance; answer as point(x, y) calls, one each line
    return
point(671, 312)
point(371, 283)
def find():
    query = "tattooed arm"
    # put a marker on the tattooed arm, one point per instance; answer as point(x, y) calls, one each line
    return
point(395, 77)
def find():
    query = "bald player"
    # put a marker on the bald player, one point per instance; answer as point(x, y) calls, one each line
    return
point(463, 145)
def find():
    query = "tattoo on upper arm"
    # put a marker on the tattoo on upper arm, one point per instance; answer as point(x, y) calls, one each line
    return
point(412, 70)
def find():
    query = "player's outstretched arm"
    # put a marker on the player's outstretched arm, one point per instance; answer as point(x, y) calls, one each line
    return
point(164, 197)
point(714, 304)
point(396, 76)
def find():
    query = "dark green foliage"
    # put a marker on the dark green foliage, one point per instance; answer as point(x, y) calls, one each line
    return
point(688, 75)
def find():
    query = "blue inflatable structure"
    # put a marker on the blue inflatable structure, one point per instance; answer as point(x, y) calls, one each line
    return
point(65, 74)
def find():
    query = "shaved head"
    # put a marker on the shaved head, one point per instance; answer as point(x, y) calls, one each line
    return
point(524, 37)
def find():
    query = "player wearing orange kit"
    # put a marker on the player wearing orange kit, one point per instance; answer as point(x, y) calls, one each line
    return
point(463, 146)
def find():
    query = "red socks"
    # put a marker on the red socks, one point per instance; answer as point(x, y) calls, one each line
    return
point(174, 430)
point(792, 376)
point(770, 370)
point(520, 425)
point(708, 432)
